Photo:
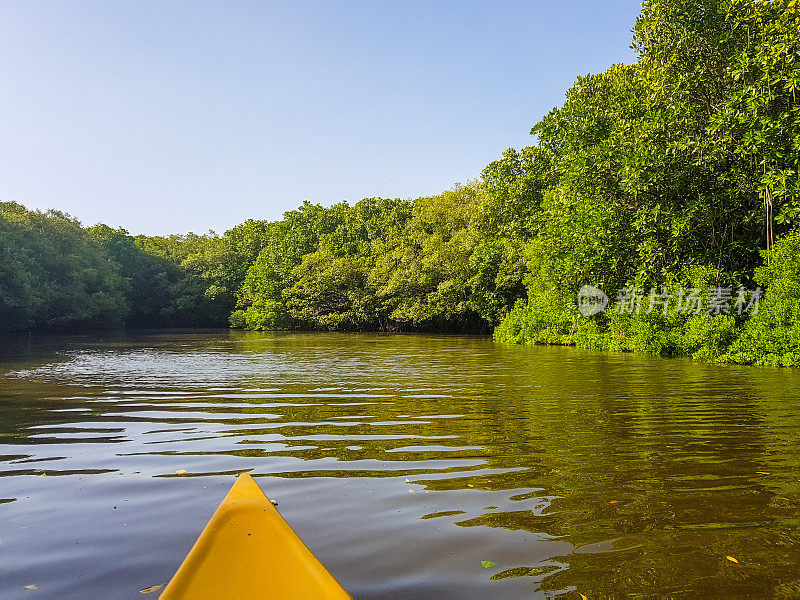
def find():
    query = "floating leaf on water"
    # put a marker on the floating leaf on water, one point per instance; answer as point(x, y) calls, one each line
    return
point(487, 564)
point(180, 472)
point(152, 589)
point(31, 587)
point(444, 513)
point(407, 480)
point(733, 560)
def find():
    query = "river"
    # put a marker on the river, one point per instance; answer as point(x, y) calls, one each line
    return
point(405, 462)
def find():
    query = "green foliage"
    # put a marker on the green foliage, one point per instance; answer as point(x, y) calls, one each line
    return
point(199, 278)
point(423, 277)
point(150, 278)
point(513, 186)
point(435, 263)
point(53, 275)
point(332, 287)
point(283, 245)
point(674, 171)
point(772, 335)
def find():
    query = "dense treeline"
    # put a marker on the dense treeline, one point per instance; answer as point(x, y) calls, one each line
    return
point(678, 172)
point(57, 275)
point(436, 264)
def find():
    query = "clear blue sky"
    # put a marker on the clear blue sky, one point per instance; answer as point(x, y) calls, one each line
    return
point(176, 116)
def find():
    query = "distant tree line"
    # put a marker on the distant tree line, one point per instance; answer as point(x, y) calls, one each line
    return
point(434, 264)
point(57, 275)
point(679, 171)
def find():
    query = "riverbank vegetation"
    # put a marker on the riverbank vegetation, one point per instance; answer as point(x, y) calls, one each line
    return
point(679, 171)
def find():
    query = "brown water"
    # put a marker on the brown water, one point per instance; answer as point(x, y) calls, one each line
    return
point(403, 461)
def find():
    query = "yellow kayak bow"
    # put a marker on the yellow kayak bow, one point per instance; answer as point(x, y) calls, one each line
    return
point(248, 552)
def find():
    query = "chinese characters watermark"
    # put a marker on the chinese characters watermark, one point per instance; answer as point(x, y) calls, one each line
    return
point(687, 301)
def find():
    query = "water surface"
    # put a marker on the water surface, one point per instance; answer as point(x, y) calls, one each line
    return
point(403, 461)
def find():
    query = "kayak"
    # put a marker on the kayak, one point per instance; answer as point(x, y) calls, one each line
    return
point(248, 552)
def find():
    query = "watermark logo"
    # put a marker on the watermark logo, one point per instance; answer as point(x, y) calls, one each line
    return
point(687, 301)
point(591, 300)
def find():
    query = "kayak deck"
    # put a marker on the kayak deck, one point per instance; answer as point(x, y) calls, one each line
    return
point(247, 551)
